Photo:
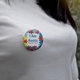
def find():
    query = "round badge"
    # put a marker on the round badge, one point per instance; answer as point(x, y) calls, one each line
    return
point(32, 39)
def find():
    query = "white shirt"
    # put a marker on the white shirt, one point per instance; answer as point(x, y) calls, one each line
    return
point(54, 60)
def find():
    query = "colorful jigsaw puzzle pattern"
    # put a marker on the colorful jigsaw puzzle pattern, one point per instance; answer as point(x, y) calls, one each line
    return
point(25, 39)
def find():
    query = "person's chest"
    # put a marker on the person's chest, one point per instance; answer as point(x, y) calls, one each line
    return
point(59, 43)
point(58, 38)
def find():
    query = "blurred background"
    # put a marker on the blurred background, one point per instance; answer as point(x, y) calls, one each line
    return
point(75, 10)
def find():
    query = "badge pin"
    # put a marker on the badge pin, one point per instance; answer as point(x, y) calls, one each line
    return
point(32, 39)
